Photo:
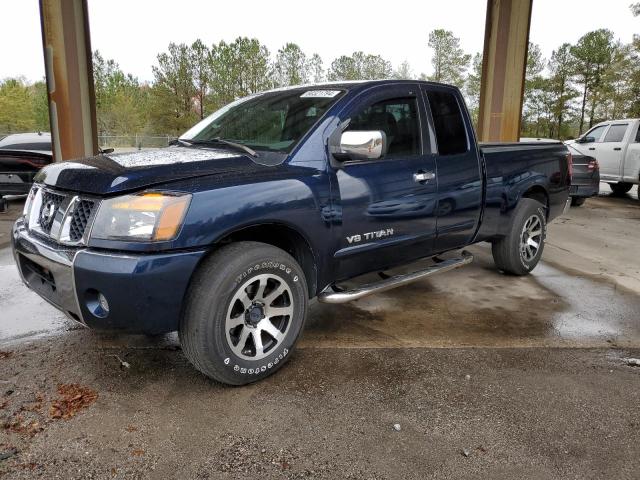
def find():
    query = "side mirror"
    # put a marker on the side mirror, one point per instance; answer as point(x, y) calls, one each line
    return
point(586, 140)
point(362, 145)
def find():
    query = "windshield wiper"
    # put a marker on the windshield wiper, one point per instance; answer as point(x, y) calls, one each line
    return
point(237, 146)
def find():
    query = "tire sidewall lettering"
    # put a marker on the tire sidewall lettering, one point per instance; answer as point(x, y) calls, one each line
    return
point(242, 367)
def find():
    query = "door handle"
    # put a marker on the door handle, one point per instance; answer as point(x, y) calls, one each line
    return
point(592, 148)
point(617, 148)
point(423, 176)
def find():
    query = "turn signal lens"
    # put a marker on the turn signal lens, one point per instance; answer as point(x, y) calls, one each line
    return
point(150, 216)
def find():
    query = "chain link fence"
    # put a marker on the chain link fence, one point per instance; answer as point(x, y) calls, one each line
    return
point(127, 142)
point(136, 141)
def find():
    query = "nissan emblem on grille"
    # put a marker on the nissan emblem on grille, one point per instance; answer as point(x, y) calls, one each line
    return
point(64, 217)
point(46, 215)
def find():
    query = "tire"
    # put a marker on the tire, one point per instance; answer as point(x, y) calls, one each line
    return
point(577, 201)
point(229, 302)
point(511, 253)
point(620, 188)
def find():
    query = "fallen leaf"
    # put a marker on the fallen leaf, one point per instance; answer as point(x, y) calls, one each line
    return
point(73, 398)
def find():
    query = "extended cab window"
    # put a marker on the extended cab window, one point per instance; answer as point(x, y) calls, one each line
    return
point(448, 123)
point(616, 132)
point(398, 119)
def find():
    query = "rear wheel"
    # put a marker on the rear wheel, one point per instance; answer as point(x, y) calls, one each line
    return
point(578, 201)
point(520, 250)
point(620, 188)
point(245, 309)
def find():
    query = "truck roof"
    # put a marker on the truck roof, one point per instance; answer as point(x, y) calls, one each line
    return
point(350, 84)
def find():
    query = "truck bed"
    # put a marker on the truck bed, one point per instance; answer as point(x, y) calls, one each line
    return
point(511, 169)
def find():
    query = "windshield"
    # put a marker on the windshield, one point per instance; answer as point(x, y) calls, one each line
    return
point(273, 121)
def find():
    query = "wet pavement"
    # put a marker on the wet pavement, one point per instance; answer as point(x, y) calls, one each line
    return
point(489, 376)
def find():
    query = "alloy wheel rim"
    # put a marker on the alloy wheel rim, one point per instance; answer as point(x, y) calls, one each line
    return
point(531, 238)
point(259, 316)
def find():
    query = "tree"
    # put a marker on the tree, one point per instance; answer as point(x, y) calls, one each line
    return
point(592, 55)
point(472, 87)
point(316, 69)
point(23, 106)
point(561, 67)
point(173, 90)
point(635, 9)
point(403, 72)
point(535, 93)
point(200, 63)
point(15, 106)
point(238, 69)
point(360, 66)
point(449, 60)
point(292, 66)
point(120, 102)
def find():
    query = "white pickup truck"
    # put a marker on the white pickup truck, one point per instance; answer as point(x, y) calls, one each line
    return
point(616, 146)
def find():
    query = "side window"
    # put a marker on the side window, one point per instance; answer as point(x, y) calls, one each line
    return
point(616, 132)
point(638, 135)
point(596, 133)
point(398, 119)
point(451, 133)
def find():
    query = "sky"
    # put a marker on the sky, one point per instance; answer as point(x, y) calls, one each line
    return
point(133, 32)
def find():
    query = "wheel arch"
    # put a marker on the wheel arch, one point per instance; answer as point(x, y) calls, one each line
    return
point(539, 193)
point(284, 237)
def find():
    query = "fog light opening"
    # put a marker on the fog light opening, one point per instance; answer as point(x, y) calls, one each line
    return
point(97, 303)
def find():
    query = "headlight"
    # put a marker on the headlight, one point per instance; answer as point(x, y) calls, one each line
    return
point(149, 216)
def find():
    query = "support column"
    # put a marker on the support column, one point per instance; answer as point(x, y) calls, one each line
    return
point(67, 54)
point(504, 63)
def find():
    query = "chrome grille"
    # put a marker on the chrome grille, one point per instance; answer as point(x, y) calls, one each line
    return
point(50, 205)
point(80, 219)
point(62, 216)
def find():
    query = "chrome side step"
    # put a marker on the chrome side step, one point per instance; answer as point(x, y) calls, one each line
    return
point(329, 295)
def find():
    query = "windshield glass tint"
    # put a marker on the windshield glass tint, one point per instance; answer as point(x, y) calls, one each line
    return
point(273, 121)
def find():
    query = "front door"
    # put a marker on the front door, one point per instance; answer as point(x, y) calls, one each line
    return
point(387, 204)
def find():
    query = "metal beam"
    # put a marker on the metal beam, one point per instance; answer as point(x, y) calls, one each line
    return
point(504, 63)
point(67, 55)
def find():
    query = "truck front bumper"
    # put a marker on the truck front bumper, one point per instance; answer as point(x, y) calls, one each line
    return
point(106, 290)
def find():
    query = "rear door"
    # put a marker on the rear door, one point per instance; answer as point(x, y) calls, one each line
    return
point(611, 150)
point(388, 214)
point(458, 169)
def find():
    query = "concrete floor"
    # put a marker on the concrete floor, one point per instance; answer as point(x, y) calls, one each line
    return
point(528, 376)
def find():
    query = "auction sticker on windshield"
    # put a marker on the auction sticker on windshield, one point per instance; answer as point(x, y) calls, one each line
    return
point(320, 94)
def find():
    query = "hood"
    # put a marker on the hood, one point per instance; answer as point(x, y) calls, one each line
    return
point(121, 172)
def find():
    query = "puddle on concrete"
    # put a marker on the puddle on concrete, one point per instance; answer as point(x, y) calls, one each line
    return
point(23, 314)
point(473, 306)
point(478, 306)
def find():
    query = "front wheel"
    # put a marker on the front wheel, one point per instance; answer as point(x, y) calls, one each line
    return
point(245, 309)
point(520, 250)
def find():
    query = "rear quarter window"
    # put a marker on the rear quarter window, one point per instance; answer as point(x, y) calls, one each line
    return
point(451, 134)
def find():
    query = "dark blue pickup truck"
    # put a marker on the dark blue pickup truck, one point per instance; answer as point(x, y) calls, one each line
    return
point(276, 199)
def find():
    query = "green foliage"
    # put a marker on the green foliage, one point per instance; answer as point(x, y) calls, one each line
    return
point(472, 87)
point(597, 78)
point(593, 55)
point(120, 99)
point(449, 61)
point(360, 66)
point(23, 107)
point(404, 72)
point(292, 66)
